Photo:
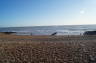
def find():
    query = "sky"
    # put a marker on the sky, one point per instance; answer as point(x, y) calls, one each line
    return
point(47, 12)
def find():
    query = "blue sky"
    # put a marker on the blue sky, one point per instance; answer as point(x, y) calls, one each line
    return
point(47, 12)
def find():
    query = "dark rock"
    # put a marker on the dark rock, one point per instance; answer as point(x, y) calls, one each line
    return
point(90, 33)
point(8, 32)
point(54, 33)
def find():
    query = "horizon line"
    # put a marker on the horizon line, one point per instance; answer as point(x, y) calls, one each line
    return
point(49, 25)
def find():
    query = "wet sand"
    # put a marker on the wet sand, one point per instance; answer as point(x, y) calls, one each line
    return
point(47, 49)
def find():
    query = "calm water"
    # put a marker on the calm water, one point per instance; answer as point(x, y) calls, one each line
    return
point(48, 30)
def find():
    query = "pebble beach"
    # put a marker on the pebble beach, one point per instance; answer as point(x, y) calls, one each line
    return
point(47, 49)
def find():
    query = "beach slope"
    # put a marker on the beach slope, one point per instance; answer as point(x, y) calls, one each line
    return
point(47, 49)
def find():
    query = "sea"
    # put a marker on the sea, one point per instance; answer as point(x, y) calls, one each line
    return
point(48, 30)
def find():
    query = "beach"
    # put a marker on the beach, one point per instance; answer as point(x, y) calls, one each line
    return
point(47, 49)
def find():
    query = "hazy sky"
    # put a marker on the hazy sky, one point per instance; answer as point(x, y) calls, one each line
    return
point(47, 12)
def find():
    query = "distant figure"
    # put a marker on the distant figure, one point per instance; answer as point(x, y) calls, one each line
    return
point(90, 33)
point(80, 34)
point(53, 33)
point(31, 34)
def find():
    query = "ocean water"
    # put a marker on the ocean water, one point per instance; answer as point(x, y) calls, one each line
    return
point(48, 30)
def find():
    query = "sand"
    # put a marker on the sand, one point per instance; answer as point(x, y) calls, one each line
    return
point(47, 49)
